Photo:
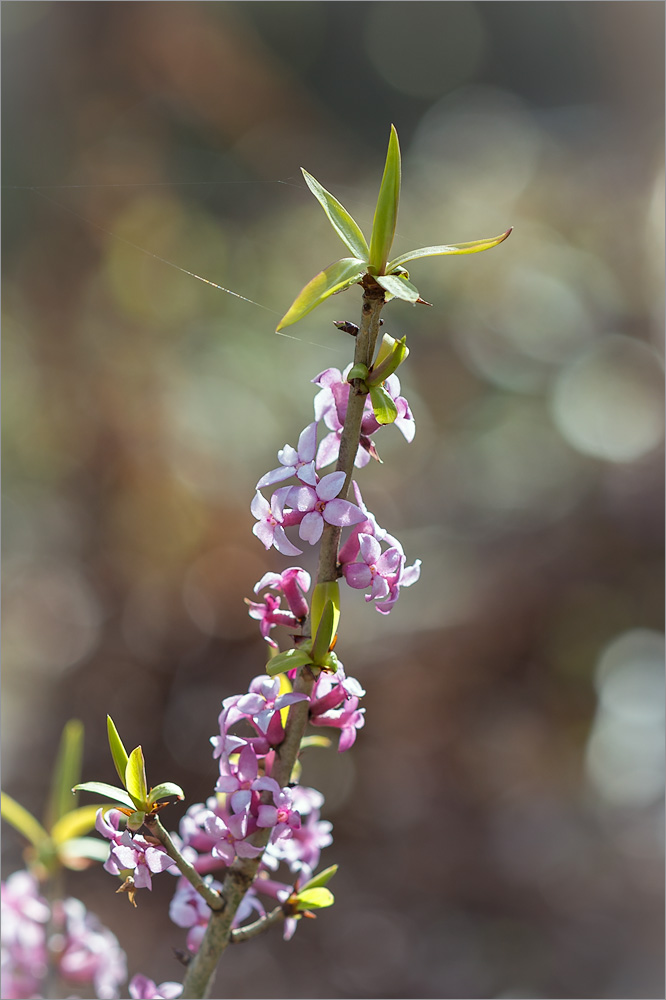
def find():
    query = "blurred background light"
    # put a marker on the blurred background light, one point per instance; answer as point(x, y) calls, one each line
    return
point(609, 401)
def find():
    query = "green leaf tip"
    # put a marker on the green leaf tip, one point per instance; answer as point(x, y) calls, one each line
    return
point(386, 212)
point(135, 778)
point(118, 751)
point(314, 899)
point(334, 278)
point(345, 226)
point(476, 246)
point(326, 632)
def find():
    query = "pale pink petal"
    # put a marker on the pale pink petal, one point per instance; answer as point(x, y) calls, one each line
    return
point(307, 474)
point(329, 449)
point(275, 476)
point(371, 550)
point(311, 527)
point(330, 485)
point(343, 513)
point(307, 443)
point(260, 506)
point(287, 455)
point(282, 543)
point(303, 498)
point(264, 533)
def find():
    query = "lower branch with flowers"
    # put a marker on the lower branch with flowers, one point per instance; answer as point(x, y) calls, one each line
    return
point(256, 842)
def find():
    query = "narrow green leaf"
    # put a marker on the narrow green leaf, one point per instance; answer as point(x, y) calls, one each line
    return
point(135, 777)
point(321, 879)
point(382, 370)
point(345, 226)
point(315, 899)
point(454, 248)
point(108, 791)
point(326, 632)
point(118, 751)
point(399, 287)
point(386, 212)
point(335, 278)
point(287, 661)
point(165, 791)
point(66, 773)
point(72, 851)
point(22, 821)
point(323, 592)
point(74, 823)
point(383, 406)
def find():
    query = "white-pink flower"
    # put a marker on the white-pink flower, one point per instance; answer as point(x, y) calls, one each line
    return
point(318, 504)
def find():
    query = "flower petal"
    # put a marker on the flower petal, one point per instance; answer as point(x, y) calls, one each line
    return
point(311, 527)
point(307, 443)
point(343, 513)
point(330, 485)
point(282, 543)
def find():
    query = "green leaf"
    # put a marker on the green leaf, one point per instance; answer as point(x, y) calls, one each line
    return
point(315, 899)
point(335, 278)
point(454, 248)
point(345, 226)
point(401, 288)
point(164, 791)
point(22, 821)
point(358, 371)
point(326, 632)
point(74, 823)
point(386, 212)
point(315, 741)
point(383, 369)
point(323, 592)
point(137, 819)
point(118, 751)
point(108, 791)
point(83, 847)
point(321, 879)
point(287, 661)
point(383, 406)
point(66, 773)
point(135, 777)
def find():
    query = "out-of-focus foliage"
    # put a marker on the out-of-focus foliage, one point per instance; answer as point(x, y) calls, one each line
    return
point(498, 826)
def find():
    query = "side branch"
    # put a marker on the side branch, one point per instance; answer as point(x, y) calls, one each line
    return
point(258, 927)
point(213, 898)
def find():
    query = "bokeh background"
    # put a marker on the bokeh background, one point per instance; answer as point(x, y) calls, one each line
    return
point(499, 822)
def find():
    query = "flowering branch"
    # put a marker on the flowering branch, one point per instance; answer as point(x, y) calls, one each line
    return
point(211, 897)
point(260, 816)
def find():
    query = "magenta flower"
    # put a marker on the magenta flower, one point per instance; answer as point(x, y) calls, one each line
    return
point(293, 583)
point(375, 570)
point(229, 835)
point(295, 462)
point(25, 915)
point(242, 780)
point(271, 521)
point(282, 817)
point(318, 505)
point(268, 614)
point(136, 854)
point(142, 988)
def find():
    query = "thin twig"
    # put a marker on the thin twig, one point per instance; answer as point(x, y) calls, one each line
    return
point(213, 898)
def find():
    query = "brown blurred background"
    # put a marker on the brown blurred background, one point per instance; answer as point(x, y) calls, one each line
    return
point(499, 822)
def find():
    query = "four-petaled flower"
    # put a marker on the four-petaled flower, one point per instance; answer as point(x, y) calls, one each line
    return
point(295, 462)
point(317, 504)
point(271, 521)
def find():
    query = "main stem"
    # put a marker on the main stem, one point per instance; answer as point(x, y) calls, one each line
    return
point(201, 970)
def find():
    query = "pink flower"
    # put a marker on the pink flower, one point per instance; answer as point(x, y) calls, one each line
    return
point(268, 614)
point(142, 988)
point(90, 953)
point(293, 583)
point(271, 521)
point(295, 462)
point(141, 857)
point(375, 570)
point(318, 505)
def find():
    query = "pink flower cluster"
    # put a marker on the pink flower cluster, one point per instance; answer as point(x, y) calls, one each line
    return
point(80, 948)
point(314, 502)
